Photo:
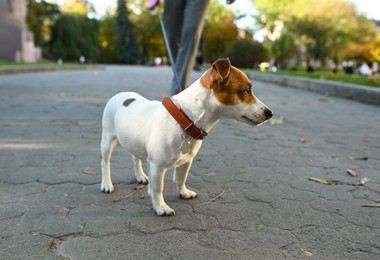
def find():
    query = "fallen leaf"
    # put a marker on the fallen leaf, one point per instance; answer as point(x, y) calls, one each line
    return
point(352, 172)
point(361, 158)
point(364, 181)
point(327, 182)
point(325, 100)
point(373, 205)
point(277, 121)
point(302, 140)
point(307, 253)
point(89, 171)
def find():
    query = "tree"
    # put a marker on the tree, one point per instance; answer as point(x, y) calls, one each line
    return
point(80, 7)
point(40, 17)
point(374, 49)
point(74, 36)
point(284, 48)
point(365, 52)
point(108, 41)
point(246, 53)
point(149, 35)
point(325, 27)
point(219, 32)
point(127, 45)
point(330, 27)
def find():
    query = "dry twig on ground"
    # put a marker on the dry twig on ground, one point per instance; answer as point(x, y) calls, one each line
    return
point(215, 198)
point(135, 190)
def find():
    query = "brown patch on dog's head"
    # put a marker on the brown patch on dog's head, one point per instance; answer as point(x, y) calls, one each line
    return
point(128, 101)
point(229, 84)
point(217, 73)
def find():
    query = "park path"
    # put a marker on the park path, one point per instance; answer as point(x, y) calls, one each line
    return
point(51, 206)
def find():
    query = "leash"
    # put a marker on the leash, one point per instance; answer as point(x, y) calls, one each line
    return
point(183, 120)
point(151, 6)
point(171, 59)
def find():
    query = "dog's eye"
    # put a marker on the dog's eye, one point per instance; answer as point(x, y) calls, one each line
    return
point(247, 91)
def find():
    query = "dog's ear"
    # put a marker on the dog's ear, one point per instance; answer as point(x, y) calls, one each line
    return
point(217, 74)
point(222, 68)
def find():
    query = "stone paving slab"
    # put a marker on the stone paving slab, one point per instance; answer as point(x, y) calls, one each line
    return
point(51, 206)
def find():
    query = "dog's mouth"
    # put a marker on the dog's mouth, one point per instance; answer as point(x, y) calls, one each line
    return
point(251, 121)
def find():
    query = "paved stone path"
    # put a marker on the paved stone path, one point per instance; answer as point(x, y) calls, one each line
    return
point(51, 206)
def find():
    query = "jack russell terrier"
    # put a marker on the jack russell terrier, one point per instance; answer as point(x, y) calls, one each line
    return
point(169, 134)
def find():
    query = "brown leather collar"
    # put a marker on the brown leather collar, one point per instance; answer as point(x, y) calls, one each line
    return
point(182, 119)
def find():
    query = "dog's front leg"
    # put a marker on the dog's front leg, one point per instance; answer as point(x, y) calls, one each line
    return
point(156, 189)
point(180, 177)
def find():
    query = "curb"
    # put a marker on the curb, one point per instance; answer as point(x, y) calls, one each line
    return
point(31, 68)
point(360, 93)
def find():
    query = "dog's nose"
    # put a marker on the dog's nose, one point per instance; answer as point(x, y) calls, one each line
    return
point(268, 113)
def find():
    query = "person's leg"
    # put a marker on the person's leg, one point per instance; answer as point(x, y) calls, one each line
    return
point(195, 13)
point(174, 12)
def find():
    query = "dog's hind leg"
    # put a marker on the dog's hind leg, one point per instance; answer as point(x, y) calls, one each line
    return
point(139, 172)
point(107, 145)
point(180, 177)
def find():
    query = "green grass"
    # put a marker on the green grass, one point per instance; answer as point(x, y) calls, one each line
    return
point(40, 63)
point(14, 63)
point(9, 63)
point(373, 81)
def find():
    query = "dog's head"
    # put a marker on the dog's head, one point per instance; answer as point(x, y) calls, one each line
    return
point(232, 90)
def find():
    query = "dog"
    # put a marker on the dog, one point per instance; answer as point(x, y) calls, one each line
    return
point(169, 134)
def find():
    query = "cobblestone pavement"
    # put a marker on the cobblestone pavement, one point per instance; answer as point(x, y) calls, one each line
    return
point(51, 206)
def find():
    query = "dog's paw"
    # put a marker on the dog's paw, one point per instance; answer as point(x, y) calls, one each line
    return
point(142, 179)
point(164, 211)
point(107, 188)
point(187, 194)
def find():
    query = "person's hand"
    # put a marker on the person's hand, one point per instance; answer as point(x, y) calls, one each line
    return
point(154, 3)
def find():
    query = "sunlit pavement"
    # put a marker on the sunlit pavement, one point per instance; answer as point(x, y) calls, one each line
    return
point(255, 200)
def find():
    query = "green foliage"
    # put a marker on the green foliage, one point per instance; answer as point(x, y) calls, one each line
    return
point(40, 17)
point(78, 7)
point(219, 32)
point(284, 48)
point(108, 41)
point(149, 35)
point(128, 49)
point(297, 30)
point(74, 36)
point(246, 53)
point(326, 28)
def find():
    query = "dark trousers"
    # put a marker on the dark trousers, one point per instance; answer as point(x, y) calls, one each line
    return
point(184, 21)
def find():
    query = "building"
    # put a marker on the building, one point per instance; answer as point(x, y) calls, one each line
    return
point(16, 41)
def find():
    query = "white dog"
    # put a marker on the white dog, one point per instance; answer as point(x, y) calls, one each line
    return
point(168, 134)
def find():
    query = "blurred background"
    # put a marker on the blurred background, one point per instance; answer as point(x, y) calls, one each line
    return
point(270, 35)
